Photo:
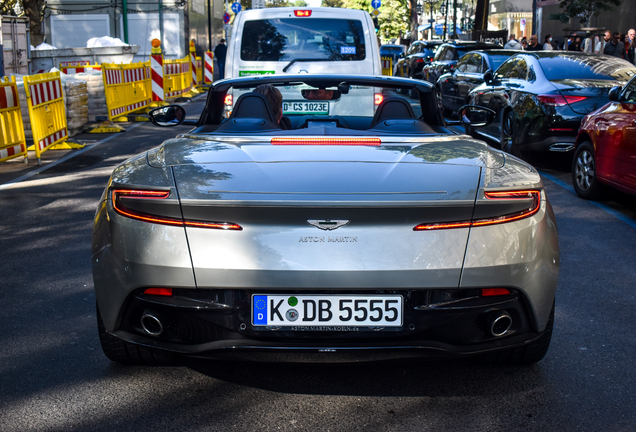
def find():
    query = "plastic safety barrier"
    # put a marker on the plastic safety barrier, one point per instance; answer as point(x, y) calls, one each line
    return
point(387, 66)
point(47, 112)
point(209, 67)
point(73, 67)
point(176, 78)
point(12, 141)
point(199, 70)
point(128, 87)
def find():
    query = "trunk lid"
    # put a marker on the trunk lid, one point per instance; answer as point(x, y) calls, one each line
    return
point(595, 91)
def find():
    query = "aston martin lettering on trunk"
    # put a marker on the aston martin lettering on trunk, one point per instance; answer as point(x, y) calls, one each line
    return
point(322, 239)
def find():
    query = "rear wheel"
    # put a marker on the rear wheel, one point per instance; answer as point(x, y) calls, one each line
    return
point(124, 352)
point(438, 94)
point(584, 177)
point(525, 355)
point(508, 137)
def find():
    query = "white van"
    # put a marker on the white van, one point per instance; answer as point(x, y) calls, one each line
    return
point(302, 40)
point(295, 40)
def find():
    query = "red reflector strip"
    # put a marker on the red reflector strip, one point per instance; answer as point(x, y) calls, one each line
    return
point(302, 13)
point(137, 194)
point(327, 141)
point(529, 194)
point(561, 129)
point(494, 292)
point(159, 291)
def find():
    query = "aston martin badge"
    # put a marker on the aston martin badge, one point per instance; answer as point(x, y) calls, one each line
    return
point(328, 224)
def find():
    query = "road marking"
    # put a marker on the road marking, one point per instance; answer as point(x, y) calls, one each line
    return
point(63, 159)
point(604, 207)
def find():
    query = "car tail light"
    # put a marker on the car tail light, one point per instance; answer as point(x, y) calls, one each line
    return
point(560, 129)
point(486, 292)
point(535, 204)
point(228, 100)
point(302, 13)
point(558, 100)
point(378, 98)
point(159, 291)
point(419, 60)
point(120, 208)
point(327, 141)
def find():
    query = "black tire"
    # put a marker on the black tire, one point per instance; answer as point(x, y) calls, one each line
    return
point(584, 178)
point(525, 355)
point(124, 352)
point(508, 142)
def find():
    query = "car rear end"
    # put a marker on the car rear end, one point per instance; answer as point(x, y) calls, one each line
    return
point(580, 84)
point(205, 246)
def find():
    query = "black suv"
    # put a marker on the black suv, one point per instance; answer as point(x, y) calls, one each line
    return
point(447, 55)
point(411, 64)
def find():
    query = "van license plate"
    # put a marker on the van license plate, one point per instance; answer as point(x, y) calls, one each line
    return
point(327, 310)
point(303, 107)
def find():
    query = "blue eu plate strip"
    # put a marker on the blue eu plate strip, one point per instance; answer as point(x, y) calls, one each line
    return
point(259, 309)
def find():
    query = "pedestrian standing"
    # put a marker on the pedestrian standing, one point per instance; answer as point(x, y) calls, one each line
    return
point(615, 47)
point(512, 43)
point(534, 44)
point(575, 45)
point(220, 52)
point(607, 37)
point(629, 49)
point(547, 43)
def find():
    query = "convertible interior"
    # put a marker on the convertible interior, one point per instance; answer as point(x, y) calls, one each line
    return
point(394, 115)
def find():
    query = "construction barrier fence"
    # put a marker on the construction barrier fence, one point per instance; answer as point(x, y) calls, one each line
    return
point(209, 67)
point(199, 70)
point(46, 110)
point(176, 78)
point(387, 66)
point(12, 141)
point(73, 67)
point(128, 87)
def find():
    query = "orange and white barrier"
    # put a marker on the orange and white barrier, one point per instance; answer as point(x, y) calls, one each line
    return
point(209, 68)
point(80, 66)
point(127, 87)
point(193, 64)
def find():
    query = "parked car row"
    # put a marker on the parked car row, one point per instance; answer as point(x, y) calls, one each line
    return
point(554, 101)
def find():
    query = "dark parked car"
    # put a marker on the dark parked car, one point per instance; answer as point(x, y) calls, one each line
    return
point(453, 87)
point(419, 54)
point(606, 146)
point(541, 97)
point(448, 54)
point(393, 51)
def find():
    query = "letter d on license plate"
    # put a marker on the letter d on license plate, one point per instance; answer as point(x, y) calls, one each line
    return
point(327, 310)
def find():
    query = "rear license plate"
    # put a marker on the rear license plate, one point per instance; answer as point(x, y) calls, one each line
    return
point(304, 107)
point(327, 310)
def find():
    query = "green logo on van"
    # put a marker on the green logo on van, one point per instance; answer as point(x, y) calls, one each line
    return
point(255, 73)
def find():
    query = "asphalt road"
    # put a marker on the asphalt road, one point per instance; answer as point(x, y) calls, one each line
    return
point(54, 377)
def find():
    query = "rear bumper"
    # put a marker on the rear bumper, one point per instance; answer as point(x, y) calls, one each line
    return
point(220, 326)
point(559, 144)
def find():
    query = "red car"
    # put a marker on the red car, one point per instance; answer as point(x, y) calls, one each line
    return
point(606, 146)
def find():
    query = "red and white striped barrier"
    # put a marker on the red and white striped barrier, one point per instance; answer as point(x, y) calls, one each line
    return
point(156, 64)
point(45, 92)
point(209, 68)
point(44, 143)
point(193, 67)
point(12, 142)
point(8, 97)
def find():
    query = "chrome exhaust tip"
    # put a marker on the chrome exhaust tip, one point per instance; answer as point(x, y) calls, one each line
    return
point(151, 324)
point(501, 324)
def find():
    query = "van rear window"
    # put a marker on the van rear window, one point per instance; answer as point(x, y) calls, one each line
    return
point(301, 38)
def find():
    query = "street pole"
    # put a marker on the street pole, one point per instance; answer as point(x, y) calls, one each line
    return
point(445, 20)
point(430, 30)
point(163, 49)
point(454, 19)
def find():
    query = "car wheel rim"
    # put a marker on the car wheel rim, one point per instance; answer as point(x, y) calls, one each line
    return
point(506, 133)
point(440, 106)
point(584, 170)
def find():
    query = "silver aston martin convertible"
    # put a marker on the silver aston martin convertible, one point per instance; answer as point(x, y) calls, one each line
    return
point(346, 221)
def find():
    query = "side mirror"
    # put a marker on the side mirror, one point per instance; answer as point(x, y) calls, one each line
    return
point(615, 94)
point(171, 115)
point(488, 77)
point(475, 116)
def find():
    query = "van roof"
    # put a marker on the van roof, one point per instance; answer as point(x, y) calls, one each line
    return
point(317, 12)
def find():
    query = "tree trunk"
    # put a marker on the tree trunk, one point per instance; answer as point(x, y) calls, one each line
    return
point(33, 10)
point(414, 32)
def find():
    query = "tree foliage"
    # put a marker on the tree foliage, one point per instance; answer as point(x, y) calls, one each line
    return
point(394, 14)
point(583, 9)
point(7, 7)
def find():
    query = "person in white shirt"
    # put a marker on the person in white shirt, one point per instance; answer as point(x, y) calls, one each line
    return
point(547, 45)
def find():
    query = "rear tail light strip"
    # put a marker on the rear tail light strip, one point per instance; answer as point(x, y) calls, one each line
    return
point(526, 194)
point(145, 194)
point(327, 141)
point(558, 100)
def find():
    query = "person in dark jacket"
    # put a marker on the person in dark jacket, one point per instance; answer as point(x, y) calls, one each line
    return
point(615, 47)
point(629, 49)
point(534, 44)
point(220, 52)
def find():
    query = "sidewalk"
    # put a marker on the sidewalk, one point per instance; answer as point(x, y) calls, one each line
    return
point(15, 169)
